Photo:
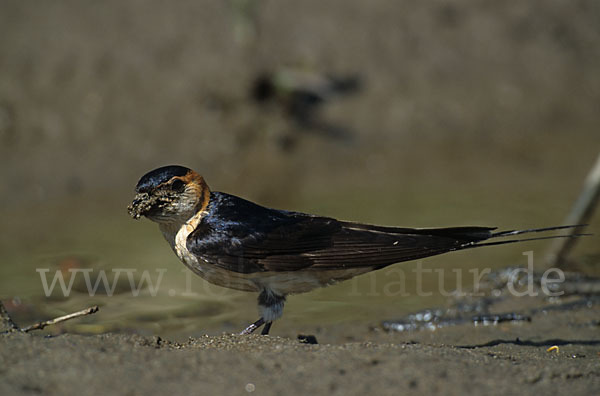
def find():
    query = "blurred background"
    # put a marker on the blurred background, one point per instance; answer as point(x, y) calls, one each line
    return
point(409, 113)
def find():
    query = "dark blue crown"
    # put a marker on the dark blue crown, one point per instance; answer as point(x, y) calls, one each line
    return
point(152, 179)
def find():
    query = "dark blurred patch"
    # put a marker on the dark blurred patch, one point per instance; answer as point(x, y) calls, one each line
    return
point(448, 15)
point(301, 95)
point(307, 339)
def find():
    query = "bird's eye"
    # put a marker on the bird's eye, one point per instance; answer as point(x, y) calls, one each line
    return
point(178, 185)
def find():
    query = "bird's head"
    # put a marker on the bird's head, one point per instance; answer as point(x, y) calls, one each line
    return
point(170, 194)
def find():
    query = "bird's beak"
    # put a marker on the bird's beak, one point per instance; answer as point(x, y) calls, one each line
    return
point(142, 203)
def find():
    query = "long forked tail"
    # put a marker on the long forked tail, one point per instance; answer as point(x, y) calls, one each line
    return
point(502, 234)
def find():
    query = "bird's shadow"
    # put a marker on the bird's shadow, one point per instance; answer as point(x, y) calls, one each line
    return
point(548, 343)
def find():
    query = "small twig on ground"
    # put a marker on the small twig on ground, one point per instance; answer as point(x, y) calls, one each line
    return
point(41, 325)
point(8, 322)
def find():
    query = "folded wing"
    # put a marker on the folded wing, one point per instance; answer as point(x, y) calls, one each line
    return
point(290, 241)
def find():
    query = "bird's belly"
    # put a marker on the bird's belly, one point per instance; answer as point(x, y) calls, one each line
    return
point(218, 276)
point(281, 283)
point(302, 281)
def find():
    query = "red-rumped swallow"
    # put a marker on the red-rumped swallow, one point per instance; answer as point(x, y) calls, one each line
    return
point(232, 242)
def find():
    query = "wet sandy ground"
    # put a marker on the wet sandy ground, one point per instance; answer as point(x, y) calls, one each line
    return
point(505, 359)
point(475, 113)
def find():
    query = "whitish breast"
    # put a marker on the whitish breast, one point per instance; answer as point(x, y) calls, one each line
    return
point(177, 238)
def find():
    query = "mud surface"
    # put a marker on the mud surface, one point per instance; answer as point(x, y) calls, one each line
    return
point(508, 358)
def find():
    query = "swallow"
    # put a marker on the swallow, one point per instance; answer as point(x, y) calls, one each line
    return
point(235, 243)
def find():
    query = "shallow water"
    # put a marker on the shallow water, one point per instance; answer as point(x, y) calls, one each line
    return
point(87, 237)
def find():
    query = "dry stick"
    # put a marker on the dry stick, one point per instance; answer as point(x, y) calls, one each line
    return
point(10, 325)
point(580, 214)
point(41, 325)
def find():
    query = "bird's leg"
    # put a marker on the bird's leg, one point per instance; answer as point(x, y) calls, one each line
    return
point(270, 306)
point(250, 329)
point(265, 330)
point(254, 326)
